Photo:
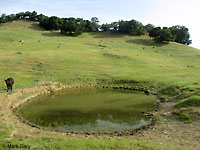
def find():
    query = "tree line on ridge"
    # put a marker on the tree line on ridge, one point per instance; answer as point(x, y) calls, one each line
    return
point(76, 26)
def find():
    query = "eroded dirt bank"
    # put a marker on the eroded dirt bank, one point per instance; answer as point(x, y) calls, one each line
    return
point(167, 130)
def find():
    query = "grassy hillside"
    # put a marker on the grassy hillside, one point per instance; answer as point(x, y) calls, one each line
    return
point(91, 57)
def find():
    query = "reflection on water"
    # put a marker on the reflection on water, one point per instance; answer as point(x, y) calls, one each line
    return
point(101, 125)
point(92, 110)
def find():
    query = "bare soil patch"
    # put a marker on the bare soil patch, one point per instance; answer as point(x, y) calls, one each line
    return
point(169, 130)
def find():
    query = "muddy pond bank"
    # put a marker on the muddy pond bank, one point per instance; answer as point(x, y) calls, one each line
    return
point(167, 129)
point(132, 87)
point(101, 118)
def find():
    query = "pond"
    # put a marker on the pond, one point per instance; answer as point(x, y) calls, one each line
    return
point(89, 110)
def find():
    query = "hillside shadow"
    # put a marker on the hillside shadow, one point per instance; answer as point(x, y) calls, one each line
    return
point(106, 34)
point(35, 26)
point(147, 42)
point(53, 34)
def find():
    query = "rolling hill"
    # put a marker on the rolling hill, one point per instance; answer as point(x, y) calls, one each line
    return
point(92, 57)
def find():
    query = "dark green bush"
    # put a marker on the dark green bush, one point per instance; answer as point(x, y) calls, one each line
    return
point(170, 90)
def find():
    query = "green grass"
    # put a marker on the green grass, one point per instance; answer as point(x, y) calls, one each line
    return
point(92, 58)
point(183, 95)
point(191, 101)
point(4, 131)
point(188, 114)
point(72, 143)
point(41, 143)
point(50, 56)
point(169, 91)
point(184, 109)
point(183, 114)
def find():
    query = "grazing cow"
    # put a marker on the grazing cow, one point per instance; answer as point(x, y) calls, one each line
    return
point(9, 83)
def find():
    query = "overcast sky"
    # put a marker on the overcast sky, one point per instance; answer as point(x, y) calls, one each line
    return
point(157, 12)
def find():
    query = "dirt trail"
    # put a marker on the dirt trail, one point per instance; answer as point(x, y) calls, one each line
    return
point(168, 130)
point(9, 101)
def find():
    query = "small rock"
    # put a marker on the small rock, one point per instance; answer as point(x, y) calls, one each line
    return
point(22, 41)
point(19, 52)
point(166, 114)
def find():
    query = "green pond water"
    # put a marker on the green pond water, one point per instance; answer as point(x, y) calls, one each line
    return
point(89, 110)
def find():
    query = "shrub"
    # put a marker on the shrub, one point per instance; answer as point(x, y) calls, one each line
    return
point(188, 114)
point(183, 114)
point(170, 90)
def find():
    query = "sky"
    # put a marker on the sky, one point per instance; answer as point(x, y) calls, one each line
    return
point(157, 12)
